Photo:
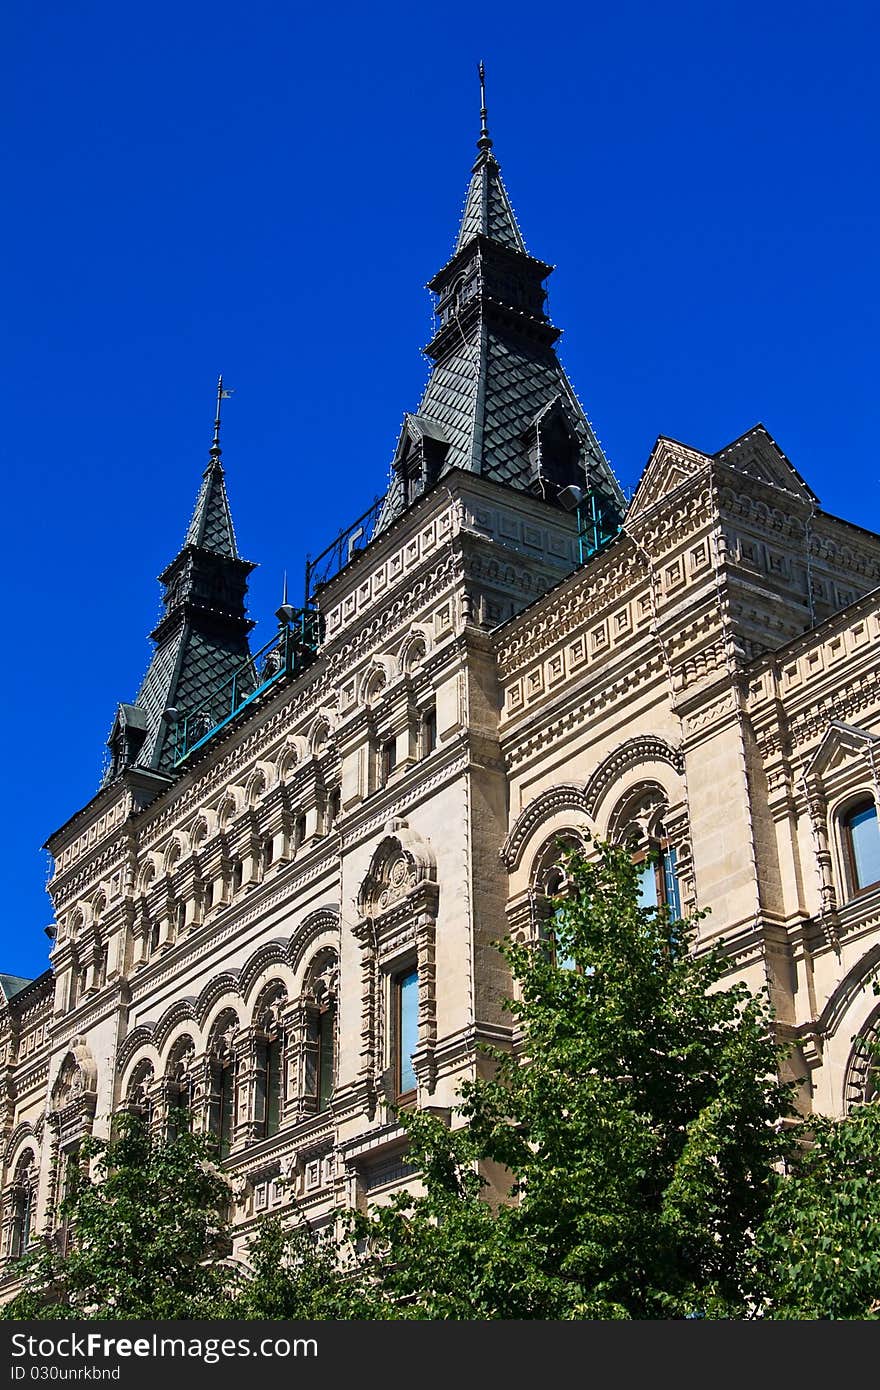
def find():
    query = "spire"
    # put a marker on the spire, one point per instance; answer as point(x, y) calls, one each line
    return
point(498, 401)
point(484, 144)
point(201, 638)
point(487, 208)
point(211, 525)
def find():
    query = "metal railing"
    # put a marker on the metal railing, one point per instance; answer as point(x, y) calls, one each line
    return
point(340, 551)
point(291, 650)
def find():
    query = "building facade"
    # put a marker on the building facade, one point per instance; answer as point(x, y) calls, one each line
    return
point(275, 919)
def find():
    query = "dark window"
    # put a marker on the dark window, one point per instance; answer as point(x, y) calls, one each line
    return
point(388, 759)
point(862, 839)
point(321, 1059)
point(23, 1207)
point(225, 1106)
point(334, 806)
point(274, 1084)
point(429, 731)
point(237, 875)
point(268, 852)
point(299, 831)
point(406, 1031)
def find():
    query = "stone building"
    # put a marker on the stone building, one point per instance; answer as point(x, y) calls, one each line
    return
point(275, 918)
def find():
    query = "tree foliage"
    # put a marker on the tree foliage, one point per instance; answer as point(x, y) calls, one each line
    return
point(646, 1161)
point(150, 1231)
point(639, 1118)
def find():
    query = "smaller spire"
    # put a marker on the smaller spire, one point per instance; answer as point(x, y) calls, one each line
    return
point(484, 144)
point(222, 395)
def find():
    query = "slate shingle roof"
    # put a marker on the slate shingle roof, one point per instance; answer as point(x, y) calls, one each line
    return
point(499, 370)
point(211, 525)
point(202, 639)
point(488, 209)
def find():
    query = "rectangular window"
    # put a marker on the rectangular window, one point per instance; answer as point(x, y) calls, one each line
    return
point(326, 1044)
point(658, 881)
point(429, 731)
point(274, 1081)
point(388, 759)
point(225, 1108)
point(406, 1032)
point(864, 846)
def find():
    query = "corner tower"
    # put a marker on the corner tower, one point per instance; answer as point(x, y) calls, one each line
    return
point(202, 637)
point(498, 402)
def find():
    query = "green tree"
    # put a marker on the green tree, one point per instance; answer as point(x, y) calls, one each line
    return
point(150, 1228)
point(820, 1243)
point(649, 1160)
point(639, 1118)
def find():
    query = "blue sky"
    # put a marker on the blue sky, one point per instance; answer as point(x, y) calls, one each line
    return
point(264, 191)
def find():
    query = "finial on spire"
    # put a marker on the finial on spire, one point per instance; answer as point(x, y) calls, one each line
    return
point(484, 144)
point(222, 395)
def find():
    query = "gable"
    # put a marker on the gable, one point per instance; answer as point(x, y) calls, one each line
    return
point(670, 464)
point(757, 455)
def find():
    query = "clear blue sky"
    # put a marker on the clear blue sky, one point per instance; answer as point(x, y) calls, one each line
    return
point(264, 189)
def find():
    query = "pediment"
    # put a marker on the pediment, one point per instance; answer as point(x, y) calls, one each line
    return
point(757, 455)
point(840, 744)
point(670, 464)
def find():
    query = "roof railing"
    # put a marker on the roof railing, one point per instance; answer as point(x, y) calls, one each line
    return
point(292, 649)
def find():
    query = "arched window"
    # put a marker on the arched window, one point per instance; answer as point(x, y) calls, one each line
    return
point(638, 823)
point(550, 883)
point(139, 1097)
point(861, 841)
point(24, 1201)
point(221, 1120)
point(180, 1087)
point(658, 879)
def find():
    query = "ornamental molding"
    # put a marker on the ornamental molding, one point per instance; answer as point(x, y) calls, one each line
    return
point(181, 1011)
point(77, 1079)
point(556, 800)
point(863, 1061)
point(22, 1133)
point(356, 832)
point(211, 935)
point(634, 752)
point(583, 712)
point(140, 1037)
point(853, 983)
point(402, 864)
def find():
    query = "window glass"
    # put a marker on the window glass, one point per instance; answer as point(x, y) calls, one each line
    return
point(671, 895)
point(274, 1073)
point(326, 1029)
point(226, 1105)
point(865, 841)
point(648, 896)
point(407, 1029)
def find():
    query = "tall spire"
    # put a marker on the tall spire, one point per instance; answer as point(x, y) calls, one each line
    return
point(211, 525)
point(498, 401)
point(201, 638)
point(487, 208)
